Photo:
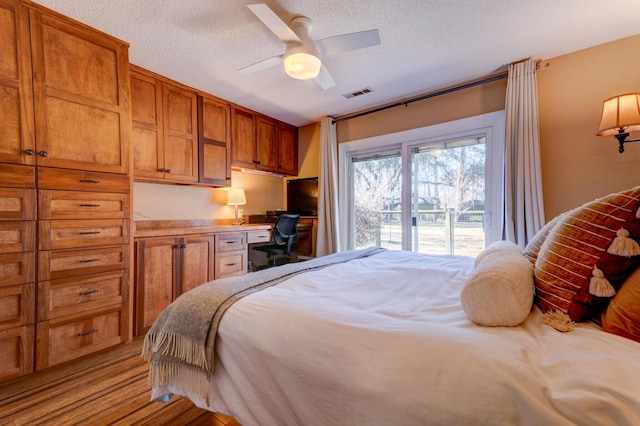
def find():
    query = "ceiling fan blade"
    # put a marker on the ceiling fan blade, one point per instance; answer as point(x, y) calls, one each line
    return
point(346, 42)
point(264, 64)
point(274, 23)
point(324, 79)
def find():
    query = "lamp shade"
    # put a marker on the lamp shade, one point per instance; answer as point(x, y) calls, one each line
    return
point(236, 197)
point(301, 62)
point(620, 112)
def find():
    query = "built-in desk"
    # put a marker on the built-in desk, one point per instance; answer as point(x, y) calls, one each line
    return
point(174, 256)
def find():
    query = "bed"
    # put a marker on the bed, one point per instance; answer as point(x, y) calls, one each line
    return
point(379, 337)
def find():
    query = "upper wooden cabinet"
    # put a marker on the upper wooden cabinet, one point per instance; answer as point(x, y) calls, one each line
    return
point(17, 143)
point(165, 138)
point(287, 149)
point(262, 143)
point(80, 96)
point(214, 139)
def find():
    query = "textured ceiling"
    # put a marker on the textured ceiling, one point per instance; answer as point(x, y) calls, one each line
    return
point(426, 44)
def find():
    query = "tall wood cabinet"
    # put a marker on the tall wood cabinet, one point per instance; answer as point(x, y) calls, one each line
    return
point(165, 137)
point(64, 168)
point(214, 137)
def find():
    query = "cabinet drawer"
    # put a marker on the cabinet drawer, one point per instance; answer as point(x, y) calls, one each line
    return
point(70, 263)
point(17, 204)
point(68, 296)
point(75, 180)
point(230, 242)
point(16, 306)
point(17, 268)
point(82, 205)
point(231, 264)
point(258, 236)
point(17, 176)
point(63, 234)
point(17, 236)
point(67, 338)
point(16, 347)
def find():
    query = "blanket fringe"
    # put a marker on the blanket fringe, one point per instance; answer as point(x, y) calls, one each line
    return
point(186, 377)
point(558, 320)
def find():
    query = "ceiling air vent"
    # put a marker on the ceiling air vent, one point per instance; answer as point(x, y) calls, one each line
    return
point(358, 93)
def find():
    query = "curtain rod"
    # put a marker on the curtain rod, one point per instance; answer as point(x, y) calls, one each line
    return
point(488, 79)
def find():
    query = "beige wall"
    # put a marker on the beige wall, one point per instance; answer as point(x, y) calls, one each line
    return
point(578, 166)
point(453, 106)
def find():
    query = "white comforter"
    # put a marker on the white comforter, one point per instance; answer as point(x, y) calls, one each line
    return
point(384, 340)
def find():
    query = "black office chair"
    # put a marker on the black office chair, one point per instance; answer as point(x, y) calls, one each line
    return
point(284, 234)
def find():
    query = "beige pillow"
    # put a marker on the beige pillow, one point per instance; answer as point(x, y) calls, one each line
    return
point(499, 292)
point(588, 254)
point(622, 317)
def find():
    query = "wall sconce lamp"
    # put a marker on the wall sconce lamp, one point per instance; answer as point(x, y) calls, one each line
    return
point(236, 197)
point(620, 116)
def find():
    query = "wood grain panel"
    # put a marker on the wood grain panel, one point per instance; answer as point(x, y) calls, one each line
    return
point(287, 149)
point(81, 205)
point(243, 146)
point(266, 144)
point(17, 236)
point(214, 138)
point(16, 347)
point(82, 180)
point(16, 87)
point(17, 306)
point(17, 268)
point(66, 234)
point(197, 261)
point(68, 296)
point(70, 263)
point(17, 176)
point(17, 204)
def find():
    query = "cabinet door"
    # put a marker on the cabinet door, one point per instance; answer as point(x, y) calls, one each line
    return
point(180, 134)
point(287, 149)
point(81, 96)
point(196, 261)
point(243, 143)
point(16, 99)
point(147, 128)
point(156, 279)
point(266, 144)
point(214, 137)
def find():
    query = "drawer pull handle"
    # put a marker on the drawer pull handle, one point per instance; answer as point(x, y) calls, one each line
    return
point(87, 293)
point(89, 181)
point(89, 260)
point(85, 333)
point(231, 264)
point(29, 151)
point(43, 153)
point(89, 205)
point(231, 242)
point(89, 232)
point(181, 246)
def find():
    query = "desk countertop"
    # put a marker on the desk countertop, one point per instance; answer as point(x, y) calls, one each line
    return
point(160, 228)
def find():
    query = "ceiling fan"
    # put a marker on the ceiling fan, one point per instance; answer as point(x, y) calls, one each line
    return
point(302, 58)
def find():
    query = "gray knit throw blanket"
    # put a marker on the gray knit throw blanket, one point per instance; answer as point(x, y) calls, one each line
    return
point(180, 343)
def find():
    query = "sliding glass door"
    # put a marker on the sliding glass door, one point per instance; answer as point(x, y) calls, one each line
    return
point(437, 194)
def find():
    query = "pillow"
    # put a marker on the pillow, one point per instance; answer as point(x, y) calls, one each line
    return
point(622, 317)
point(588, 254)
point(496, 247)
point(532, 249)
point(499, 292)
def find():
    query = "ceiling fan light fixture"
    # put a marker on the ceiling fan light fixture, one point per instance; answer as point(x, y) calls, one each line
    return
point(301, 64)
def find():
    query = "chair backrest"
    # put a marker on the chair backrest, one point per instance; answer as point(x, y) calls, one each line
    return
point(285, 230)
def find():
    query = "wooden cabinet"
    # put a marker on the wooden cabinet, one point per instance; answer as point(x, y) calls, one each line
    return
point(16, 87)
point(64, 101)
point(262, 143)
point(287, 149)
point(164, 134)
point(17, 270)
point(214, 139)
point(81, 96)
point(166, 267)
point(231, 255)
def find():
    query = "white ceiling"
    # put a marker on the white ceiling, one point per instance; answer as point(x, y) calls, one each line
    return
point(426, 44)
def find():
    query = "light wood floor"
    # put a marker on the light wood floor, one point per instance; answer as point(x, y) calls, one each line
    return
point(103, 389)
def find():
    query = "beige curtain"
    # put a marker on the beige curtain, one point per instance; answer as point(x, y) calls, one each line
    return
point(328, 240)
point(523, 213)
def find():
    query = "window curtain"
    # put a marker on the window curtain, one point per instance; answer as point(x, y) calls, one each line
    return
point(328, 238)
point(523, 213)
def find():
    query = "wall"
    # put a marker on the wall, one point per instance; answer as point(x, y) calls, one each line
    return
point(453, 106)
point(171, 202)
point(577, 165)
